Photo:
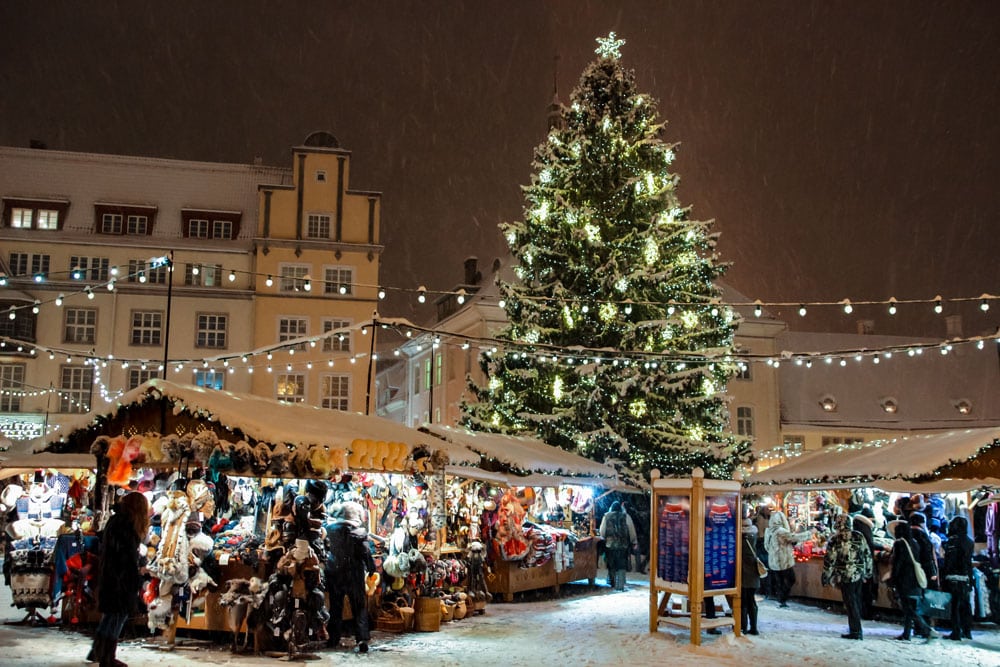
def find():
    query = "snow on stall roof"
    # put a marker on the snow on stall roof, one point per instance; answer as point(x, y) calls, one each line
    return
point(526, 454)
point(889, 462)
point(267, 420)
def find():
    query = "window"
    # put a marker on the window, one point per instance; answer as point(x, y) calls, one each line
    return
point(222, 229)
point(198, 229)
point(439, 365)
point(75, 386)
point(210, 379)
point(339, 280)
point(793, 444)
point(139, 271)
point(829, 441)
point(339, 342)
point(22, 327)
point(138, 224)
point(39, 265)
point(80, 325)
point(336, 391)
point(11, 386)
point(18, 263)
point(137, 376)
point(427, 374)
point(293, 277)
point(205, 275)
point(416, 378)
point(318, 226)
point(211, 330)
point(32, 214)
point(88, 268)
point(291, 388)
point(111, 223)
point(320, 176)
point(290, 328)
point(743, 371)
point(124, 219)
point(146, 326)
point(744, 421)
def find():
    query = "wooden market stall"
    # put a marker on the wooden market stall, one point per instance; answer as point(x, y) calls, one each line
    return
point(522, 463)
point(949, 462)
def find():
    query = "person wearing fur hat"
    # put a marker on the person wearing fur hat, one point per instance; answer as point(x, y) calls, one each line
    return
point(120, 576)
point(848, 564)
point(780, 542)
point(904, 581)
point(957, 573)
point(619, 536)
point(349, 560)
point(749, 578)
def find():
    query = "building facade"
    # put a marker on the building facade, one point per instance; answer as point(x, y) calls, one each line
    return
point(111, 266)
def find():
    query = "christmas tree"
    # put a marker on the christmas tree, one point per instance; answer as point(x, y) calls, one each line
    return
point(617, 346)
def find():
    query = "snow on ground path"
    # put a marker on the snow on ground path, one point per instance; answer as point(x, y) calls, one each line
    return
point(585, 627)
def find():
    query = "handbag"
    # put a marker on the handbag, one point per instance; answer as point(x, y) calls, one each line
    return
point(761, 568)
point(917, 570)
point(936, 604)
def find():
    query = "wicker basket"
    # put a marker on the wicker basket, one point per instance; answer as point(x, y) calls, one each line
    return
point(390, 619)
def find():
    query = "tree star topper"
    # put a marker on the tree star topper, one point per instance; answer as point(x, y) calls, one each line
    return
point(608, 46)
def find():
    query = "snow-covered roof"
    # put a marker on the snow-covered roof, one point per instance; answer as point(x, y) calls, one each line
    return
point(19, 465)
point(523, 454)
point(270, 421)
point(899, 463)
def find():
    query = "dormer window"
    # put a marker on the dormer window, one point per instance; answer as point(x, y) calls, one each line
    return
point(207, 224)
point(124, 219)
point(34, 213)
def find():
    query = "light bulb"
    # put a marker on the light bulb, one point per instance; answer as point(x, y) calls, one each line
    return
point(307, 286)
point(502, 303)
point(232, 276)
point(195, 270)
point(381, 292)
point(802, 310)
point(757, 309)
point(938, 307)
point(269, 281)
point(90, 292)
point(421, 294)
point(34, 308)
point(142, 277)
point(848, 308)
point(59, 299)
point(984, 305)
point(892, 306)
point(461, 296)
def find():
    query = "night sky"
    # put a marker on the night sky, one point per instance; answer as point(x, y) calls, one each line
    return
point(844, 149)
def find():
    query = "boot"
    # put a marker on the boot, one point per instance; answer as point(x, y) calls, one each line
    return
point(619, 580)
point(108, 658)
point(95, 649)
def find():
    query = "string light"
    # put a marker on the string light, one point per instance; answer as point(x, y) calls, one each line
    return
point(422, 294)
point(802, 310)
point(937, 305)
point(269, 281)
point(892, 306)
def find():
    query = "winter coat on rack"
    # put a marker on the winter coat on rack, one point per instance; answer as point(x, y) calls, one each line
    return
point(119, 581)
point(780, 542)
point(904, 578)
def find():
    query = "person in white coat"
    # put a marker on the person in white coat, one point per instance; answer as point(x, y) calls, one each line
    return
point(780, 543)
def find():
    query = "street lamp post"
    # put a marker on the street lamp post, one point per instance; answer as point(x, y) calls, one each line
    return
point(167, 261)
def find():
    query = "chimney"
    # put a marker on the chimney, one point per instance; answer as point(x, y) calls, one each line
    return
point(866, 327)
point(472, 275)
point(953, 326)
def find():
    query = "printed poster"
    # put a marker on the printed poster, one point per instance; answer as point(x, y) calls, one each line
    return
point(673, 516)
point(721, 533)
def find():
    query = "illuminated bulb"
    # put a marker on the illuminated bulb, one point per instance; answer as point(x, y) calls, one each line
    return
point(502, 302)
point(204, 364)
point(843, 362)
point(802, 310)
point(59, 299)
point(250, 370)
point(848, 308)
point(330, 363)
point(364, 331)
point(937, 305)
point(757, 309)
point(269, 368)
point(232, 276)
point(39, 277)
point(461, 296)
point(142, 277)
point(984, 305)
point(343, 289)
point(90, 292)
point(875, 359)
point(381, 292)
point(12, 313)
point(421, 294)
point(3, 279)
point(111, 285)
point(288, 367)
point(307, 286)
point(269, 281)
point(243, 358)
point(34, 308)
point(195, 270)
point(628, 306)
point(76, 273)
point(465, 345)
point(269, 356)
point(892, 306)
point(979, 345)
point(114, 270)
point(51, 356)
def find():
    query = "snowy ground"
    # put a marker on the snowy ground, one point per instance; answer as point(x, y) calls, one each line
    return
point(584, 627)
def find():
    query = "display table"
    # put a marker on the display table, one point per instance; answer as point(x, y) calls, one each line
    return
point(808, 583)
point(213, 616)
point(509, 577)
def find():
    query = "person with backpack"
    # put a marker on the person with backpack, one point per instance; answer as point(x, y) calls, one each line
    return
point(618, 533)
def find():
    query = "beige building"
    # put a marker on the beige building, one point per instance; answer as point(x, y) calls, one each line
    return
point(89, 305)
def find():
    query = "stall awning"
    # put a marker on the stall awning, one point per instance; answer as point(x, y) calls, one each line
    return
point(946, 462)
point(544, 464)
point(20, 465)
point(269, 421)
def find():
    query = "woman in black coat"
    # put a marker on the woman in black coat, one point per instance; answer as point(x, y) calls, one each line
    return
point(348, 559)
point(749, 579)
point(120, 576)
point(904, 581)
point(957, 574)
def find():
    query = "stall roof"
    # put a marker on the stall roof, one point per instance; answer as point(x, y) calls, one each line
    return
point(266, 420)
point(951, 461)
point(523, 454)
point(19, 465)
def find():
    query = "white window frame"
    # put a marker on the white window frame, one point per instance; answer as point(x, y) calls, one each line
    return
point(336, 275)
point(91, 268)
point(80, 325)
point(222, 229)
point(331, 381)
point(291, 277)
point(318, 225)
point(745, 421)
point(340, 343)
point(203, 378)
point(211, 331)
point(137, 225)
point(147, 324)
point(22, 218)
point(291, 327)
point(282, 380)
point(137, 376)
point(11, 386)
point(76, 384)
point(111, 223)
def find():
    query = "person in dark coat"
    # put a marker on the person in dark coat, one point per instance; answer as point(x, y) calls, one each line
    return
point(749, 579)
point(120, 576)
point(847, 564)
point(349, 558)
point(926, 557)
point(904, 581)
point(869, 588)
point(957, 575)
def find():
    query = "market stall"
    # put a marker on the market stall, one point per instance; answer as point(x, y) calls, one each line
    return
point(240, 486)
point(941, 475)
point(539, 528)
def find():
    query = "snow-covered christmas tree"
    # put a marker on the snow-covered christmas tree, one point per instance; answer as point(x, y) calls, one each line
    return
point(617, 346)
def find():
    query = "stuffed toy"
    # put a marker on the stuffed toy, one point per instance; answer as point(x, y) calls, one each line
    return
point(171, 563)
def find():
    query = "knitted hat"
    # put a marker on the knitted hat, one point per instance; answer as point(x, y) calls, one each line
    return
point(918, 519)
